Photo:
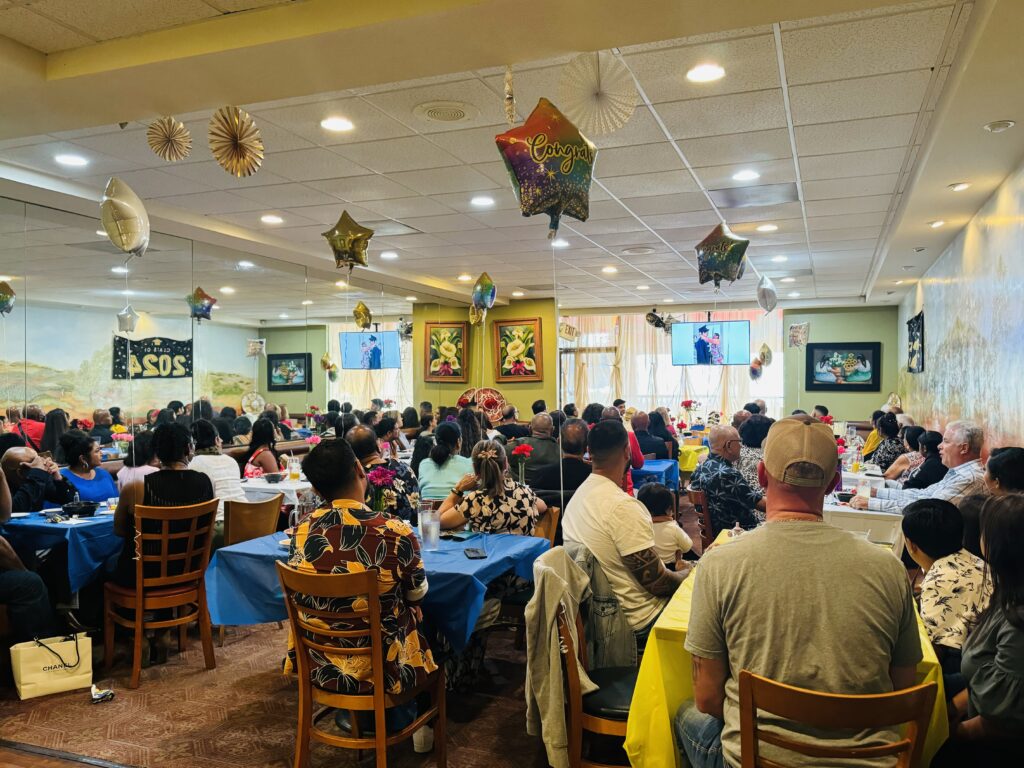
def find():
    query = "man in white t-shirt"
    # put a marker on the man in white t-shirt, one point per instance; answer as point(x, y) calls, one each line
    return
point(617, 530)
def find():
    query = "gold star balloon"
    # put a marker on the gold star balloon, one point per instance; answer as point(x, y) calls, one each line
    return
point(348, 240)
point(362, 315)
point(476, 315)
point(720, 256)
point(551, 165)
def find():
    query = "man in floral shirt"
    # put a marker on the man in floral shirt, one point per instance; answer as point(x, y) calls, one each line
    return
point(396, 495)
point(730, 497)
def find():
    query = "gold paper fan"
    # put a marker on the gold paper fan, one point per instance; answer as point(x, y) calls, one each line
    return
point(235, 142)
point(169, 139)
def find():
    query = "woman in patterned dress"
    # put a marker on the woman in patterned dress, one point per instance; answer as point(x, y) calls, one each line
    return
point(489, 499)
point(891, 447)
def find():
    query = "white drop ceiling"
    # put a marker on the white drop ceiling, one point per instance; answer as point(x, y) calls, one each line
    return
point(837, 106)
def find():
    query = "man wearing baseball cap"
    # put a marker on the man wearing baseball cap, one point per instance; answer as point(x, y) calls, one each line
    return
point(797, 601)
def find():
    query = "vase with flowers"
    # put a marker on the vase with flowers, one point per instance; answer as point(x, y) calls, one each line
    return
point(522, 453)
point(382, 495)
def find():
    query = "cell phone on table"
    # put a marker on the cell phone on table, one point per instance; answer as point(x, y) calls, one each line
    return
point(475, 553)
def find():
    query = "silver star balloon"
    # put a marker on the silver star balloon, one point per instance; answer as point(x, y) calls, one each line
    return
point(126, 319)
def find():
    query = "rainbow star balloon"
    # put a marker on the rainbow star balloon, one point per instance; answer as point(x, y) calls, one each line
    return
point(551, 165)
point(7, 297)
point(200, 304)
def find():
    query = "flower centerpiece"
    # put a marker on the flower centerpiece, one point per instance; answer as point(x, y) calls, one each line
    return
point(522, 450)
point(313, 440)
point(389, 403)
point(383, 496)
point(689, 406)
point(829, 419)
point(122, 437)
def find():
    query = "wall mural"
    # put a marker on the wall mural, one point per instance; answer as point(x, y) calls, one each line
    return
point(972, 298)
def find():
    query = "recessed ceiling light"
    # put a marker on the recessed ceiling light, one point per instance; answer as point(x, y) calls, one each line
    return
point(482, 201)
point(668, 301)
point(609, 270)
point(101, 233)
point(705, 73)
point(116, 270)
point(72, 161)
point(908, 267)
point(794, 294)
point(245, 265)
point(227, 289)
point(746, 175)
point(788, 280)
point(336, 124)
point(410, 298)
point(643, 287)
point(559, 243)
point(389, 255)
point(216, 306)
point(960, 186)
point(283, 316)
point(307, 302)
point(271, 218)
point(341, 284)
point(936, 224)
point(517, 294)
point(780, 259)
point(899, 282)
point(464, 278)
point(768, 228)
point(126, 292)
point(998, 126)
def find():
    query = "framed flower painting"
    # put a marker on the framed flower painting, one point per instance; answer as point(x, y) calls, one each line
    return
point(518, 355)
point(446, 353)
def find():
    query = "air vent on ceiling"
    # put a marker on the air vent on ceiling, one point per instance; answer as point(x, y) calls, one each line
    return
point(446, 112)
point(638, 250)
point(748, 197)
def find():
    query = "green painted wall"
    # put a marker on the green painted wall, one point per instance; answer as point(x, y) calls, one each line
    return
point(481, 354)
point(846, 324)
point(312, 339)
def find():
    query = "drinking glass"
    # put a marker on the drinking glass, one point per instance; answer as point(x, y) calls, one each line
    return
point(294, 468)
point(430, 529)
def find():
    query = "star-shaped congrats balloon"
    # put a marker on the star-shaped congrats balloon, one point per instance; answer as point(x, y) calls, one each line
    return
point(200, 303)
point(720, 256)
point(348, 240)
point(7, 297)
point(551, 165)
point(126, 319)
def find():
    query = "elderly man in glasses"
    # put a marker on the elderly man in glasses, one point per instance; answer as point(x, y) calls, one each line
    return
point(730, 498)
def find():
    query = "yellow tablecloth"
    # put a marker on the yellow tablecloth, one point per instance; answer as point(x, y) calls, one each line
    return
point(664, 682)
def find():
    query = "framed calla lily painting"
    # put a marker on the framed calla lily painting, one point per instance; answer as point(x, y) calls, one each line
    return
point(446, 353)
point(517, 350)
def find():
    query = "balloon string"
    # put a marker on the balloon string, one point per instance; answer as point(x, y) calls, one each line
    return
point(510, 98)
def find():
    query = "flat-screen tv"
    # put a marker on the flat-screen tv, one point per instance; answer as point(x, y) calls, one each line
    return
point(725, 342)
point(370, 351)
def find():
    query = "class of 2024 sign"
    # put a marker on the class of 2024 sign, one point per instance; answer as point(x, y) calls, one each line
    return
point(152, 358)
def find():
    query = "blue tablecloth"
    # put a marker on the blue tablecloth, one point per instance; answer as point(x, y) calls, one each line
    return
point(91, 543)
point(242, 585)
point(663, 471)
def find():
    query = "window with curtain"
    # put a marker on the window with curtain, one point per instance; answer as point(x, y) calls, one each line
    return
point(359, 387)
point(623, 356)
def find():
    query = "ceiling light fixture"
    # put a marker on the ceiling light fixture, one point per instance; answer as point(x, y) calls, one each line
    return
point(960, 186)
point(271, 218)
point(936, 224)
point(559, 243)
point(898, 282)
point(794, 294)
point(464, 278)
point(245, 265)
point(998, 126)
point(227, 289)
point(643, 287)
point(609, 270)
point(118, 270)
point(5, 278)
point(336, 124)
point(788, 280)
point(307, 302)
point(669, 301)
point(389, 255)
point(341, 284)
point(72, 161)
point(517, 294)
point(126, 292)
point(410, 298)
point(746, 175)
point(101, 233)
point(283, 316)
point(482, 201)
point(768, 228)
point(705, 73)
point(780, 259)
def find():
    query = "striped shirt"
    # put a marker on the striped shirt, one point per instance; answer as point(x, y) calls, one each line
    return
point(959, 482)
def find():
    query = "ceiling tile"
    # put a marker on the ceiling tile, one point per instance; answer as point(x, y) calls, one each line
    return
point(215, 177)
point(772, 172)
point(212, 202)
point(648, 184)
point(504, 199)
point(739, 148)
point(454, 222)
point(311, 164)
point(361, 188)
point(622, 161)
point(400, 104)
point(855, 187)
point(287, 196)
point(41, 157)
point(151, 183)
point(681, 203)
point(473, 145)
point(871, 163)
point(835, 235)
point(369, 123)
point(820, 223)
point(890, 43)
point(641, 128)
point(407, 154)
point(877, 96)
point(530, 85)
point(845, 205)
point(720, 115)
point(855, 135)
point(445, 180)
point(38, 32)
point(106, 21)
point(402, 208)
point(330, 213)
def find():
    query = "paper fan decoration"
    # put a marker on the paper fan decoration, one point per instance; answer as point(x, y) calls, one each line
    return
point(597, 93)
point(169, 139)
point(235, 141)
point(253, 403)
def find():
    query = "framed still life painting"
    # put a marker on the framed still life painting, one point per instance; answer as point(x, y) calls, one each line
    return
point(445, 356)
point(849, 366)
point(518, 355)
point(915, 343)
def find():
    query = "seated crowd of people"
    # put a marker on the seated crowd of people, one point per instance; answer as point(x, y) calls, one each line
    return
point(793, 599)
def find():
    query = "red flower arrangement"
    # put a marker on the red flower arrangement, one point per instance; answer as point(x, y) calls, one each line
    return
point(827, 420)
point(524, 450)
point(687, 404)
point(389, 403)
point(681, 426)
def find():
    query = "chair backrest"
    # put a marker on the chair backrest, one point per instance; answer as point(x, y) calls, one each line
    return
point(172, 544)
point(244, 520)
point(310, 636)
point(833, 711)
point(650, 456)
point(693, 441)
point(669, 446)
point(699, 499)
point(547, 526)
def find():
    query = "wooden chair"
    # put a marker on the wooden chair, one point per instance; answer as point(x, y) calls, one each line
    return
point(172, 546)
point(244, 521)
point(547, 526)
point(670, 446)
point(604, 711)
point(699, 500)
point(339, 586)
point(912, 706)
point(698, 441)
point(513, 607)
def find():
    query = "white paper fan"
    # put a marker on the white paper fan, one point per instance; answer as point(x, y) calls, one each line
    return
point(597, 93)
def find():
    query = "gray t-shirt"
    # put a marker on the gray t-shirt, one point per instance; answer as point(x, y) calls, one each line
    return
point(809, 605)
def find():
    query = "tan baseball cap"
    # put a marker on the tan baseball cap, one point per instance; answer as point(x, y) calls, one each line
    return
point(801, 451)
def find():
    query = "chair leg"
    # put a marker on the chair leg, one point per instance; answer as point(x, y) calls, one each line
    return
point(304, 723)
point(137, 642)
point(220, 637)
point(380, 738)
point(441, 726)
point(182, 634)
point(205, 630)
point(280, 625)
point(108, 633)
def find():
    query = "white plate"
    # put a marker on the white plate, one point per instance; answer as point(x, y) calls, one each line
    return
point(15, 515)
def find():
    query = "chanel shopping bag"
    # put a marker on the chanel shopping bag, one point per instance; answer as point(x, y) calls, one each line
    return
point(52, 665)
